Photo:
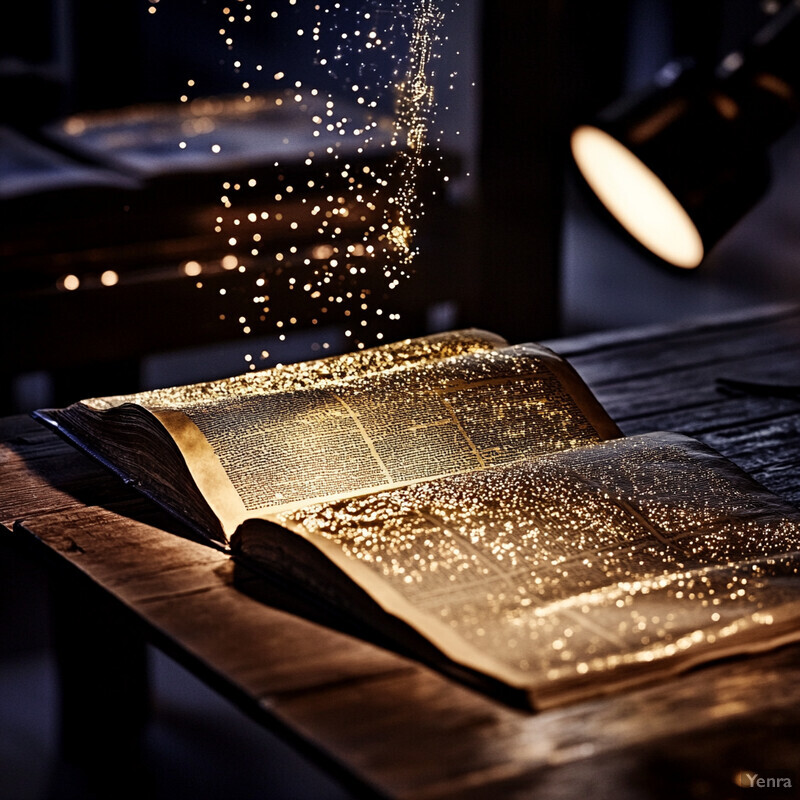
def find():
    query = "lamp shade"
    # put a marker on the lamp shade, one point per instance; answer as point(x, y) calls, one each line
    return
point(679, 163)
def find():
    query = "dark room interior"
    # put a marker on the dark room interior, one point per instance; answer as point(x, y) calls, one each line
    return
point(128, 265)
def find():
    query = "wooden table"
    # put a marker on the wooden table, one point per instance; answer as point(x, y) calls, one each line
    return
point(382, 723)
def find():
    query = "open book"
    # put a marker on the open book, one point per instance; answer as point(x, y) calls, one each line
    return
point(477, 493)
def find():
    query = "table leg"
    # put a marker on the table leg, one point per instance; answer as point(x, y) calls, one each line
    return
point(102, 667)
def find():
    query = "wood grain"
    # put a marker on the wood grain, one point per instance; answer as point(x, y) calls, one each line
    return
point(389, 726)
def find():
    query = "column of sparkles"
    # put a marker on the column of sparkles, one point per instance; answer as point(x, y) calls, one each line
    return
point(342, 236)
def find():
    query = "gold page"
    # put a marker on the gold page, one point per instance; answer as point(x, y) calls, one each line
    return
point(632, 552)
point(238, 434)
point(310, 374)
point(393, 428)
point(270, 451)
point(406, 412)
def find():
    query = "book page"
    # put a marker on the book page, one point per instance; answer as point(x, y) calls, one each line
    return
point(310, 374)
point(254, 452)
point(456, 415)
point(230, 413)
point(593, 564)
point(410, 411)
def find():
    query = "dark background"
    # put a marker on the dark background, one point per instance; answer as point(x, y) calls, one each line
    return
point(515, 245)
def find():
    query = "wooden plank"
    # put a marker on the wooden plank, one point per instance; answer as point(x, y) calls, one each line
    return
point(733, 323)
point(688, 390)
point(635, 378)
point(451, 745)
point(147, 569)
point(41, 473)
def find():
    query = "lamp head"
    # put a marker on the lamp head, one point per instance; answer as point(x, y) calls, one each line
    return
point(637, 197)
point(679, 163)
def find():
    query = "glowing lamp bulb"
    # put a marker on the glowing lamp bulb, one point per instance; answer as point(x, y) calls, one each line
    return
point(637, 197)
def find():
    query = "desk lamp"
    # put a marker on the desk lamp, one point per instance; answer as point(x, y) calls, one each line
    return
point(680, 162)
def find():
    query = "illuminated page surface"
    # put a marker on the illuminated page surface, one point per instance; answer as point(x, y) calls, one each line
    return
point(316, 431)
point(460, 414)
point(311, 374)
point(595, 560)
